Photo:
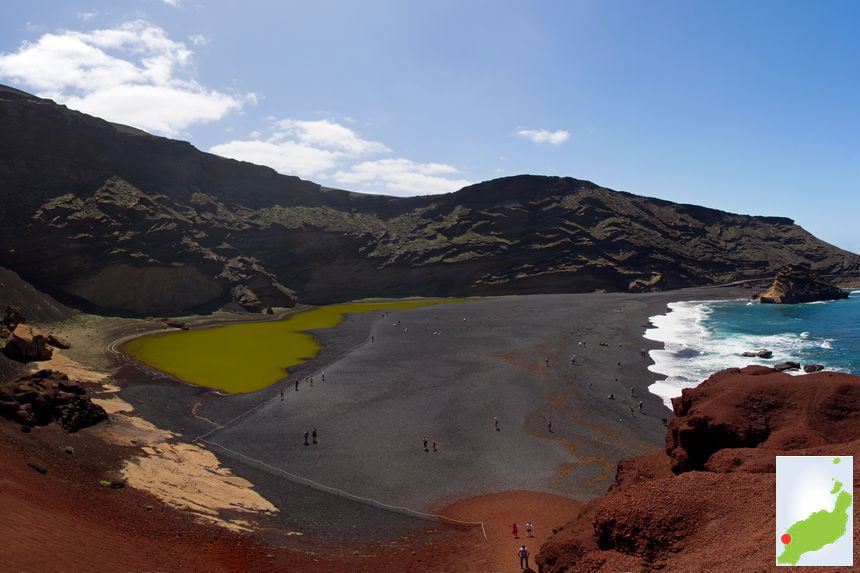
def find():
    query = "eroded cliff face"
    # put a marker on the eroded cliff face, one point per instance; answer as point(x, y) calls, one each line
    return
point(707, 503)
point(110, 218)
point(799, 283)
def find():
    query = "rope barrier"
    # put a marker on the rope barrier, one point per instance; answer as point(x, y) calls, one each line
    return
point(338, 491)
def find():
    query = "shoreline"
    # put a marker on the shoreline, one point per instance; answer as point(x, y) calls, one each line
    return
point(591, 432)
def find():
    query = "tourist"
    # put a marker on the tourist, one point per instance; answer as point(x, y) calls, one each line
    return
point(523, 554)
point(549, 425)
point(529, 528)
point(311, 379)
point(306, 438)
point(632, 390)
point(573, 358)
point(323, 375)
point(425, 444)
point(297, 384)
point(282, 394)
point(434, 446)
point(496, 422)
point(371, 338)
point(547, 362)
point(640, 405)
point(631, 412)
point(314, 435)
point(590, 386)
point(514, 530)
point(612, 396)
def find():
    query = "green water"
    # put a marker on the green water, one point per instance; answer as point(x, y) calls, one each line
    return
point(247, 357)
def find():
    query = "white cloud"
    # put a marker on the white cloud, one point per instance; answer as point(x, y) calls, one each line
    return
point(286, 157)
point(328, 150)
point(133, 73)
point(402, 177)
point(87, 16)
point(545, 136)
point(173, 3)
point(328, 135)
point(198, 40)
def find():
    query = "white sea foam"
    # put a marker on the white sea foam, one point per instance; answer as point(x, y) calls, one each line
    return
point(692, 352)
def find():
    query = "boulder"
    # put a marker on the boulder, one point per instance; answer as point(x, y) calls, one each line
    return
point(26, 344)
point(787, 365)
point(809, 368)
point(45, 396)
point(11, 318)
point(798, 283)
point(58, 341)
point(764, 353)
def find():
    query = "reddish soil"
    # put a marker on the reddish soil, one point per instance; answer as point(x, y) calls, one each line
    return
point(66, 521)
point(708, 502)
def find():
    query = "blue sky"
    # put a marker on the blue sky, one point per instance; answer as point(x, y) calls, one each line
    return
point(751, 107)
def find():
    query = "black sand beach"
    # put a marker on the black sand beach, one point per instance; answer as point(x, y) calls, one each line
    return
point(381, 398)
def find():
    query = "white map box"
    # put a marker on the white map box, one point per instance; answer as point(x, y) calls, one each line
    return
point(815, 510)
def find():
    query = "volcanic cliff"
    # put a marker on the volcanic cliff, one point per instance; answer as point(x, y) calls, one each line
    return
point(109, 218)
point(708, 503)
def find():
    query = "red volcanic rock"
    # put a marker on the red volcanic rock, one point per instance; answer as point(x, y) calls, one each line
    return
point(716, 512)
point(45, 396)
point(758, 407)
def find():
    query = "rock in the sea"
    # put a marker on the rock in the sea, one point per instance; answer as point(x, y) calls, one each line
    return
point(798, 283)
point(58, 341)
point(26, 344)
point(46, 396)
point(809, 368)
point(763, 353)
point(787, 365)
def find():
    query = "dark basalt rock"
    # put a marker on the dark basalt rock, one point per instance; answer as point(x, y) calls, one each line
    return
point(45, 396)
point(808, 368)
point(798, 283)
point(119, 220)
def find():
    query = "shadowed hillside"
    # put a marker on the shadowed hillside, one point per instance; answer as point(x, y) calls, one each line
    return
point(109, 218)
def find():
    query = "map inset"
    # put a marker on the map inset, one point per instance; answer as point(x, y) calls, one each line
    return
point(814, 510)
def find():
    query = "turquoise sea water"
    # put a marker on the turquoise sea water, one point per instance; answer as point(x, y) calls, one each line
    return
point(701, 338)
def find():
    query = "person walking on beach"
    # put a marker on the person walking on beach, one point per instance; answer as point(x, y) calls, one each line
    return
point(434, 446)
point(425, 444)
point(372, 338)
point(314, 436)
point(311, 381)
point(632, 390)
point(496, 422)
point(323, 375)
point(547, 362)
point(515, 531)
point(306, 438)
point(640, 405)
point(282, 394)
point(529, 528)
point(297, 384)
point(549, 425)
point(523, 554)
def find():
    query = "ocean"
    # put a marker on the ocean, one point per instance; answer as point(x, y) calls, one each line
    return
point(703, 337)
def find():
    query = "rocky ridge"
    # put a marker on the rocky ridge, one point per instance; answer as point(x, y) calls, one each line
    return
point(112, 219)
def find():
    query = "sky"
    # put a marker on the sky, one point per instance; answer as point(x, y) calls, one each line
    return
point(749, 107)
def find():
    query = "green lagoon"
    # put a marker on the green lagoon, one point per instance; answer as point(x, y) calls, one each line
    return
point(247, 357)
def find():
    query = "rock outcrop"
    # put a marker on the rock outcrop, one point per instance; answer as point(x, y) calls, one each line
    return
point(798, 283)
point(707, 502)
point(27, 344)
point(47, 396)
point(118, 220)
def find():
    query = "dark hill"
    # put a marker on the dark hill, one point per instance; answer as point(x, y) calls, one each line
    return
point(109, 218)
